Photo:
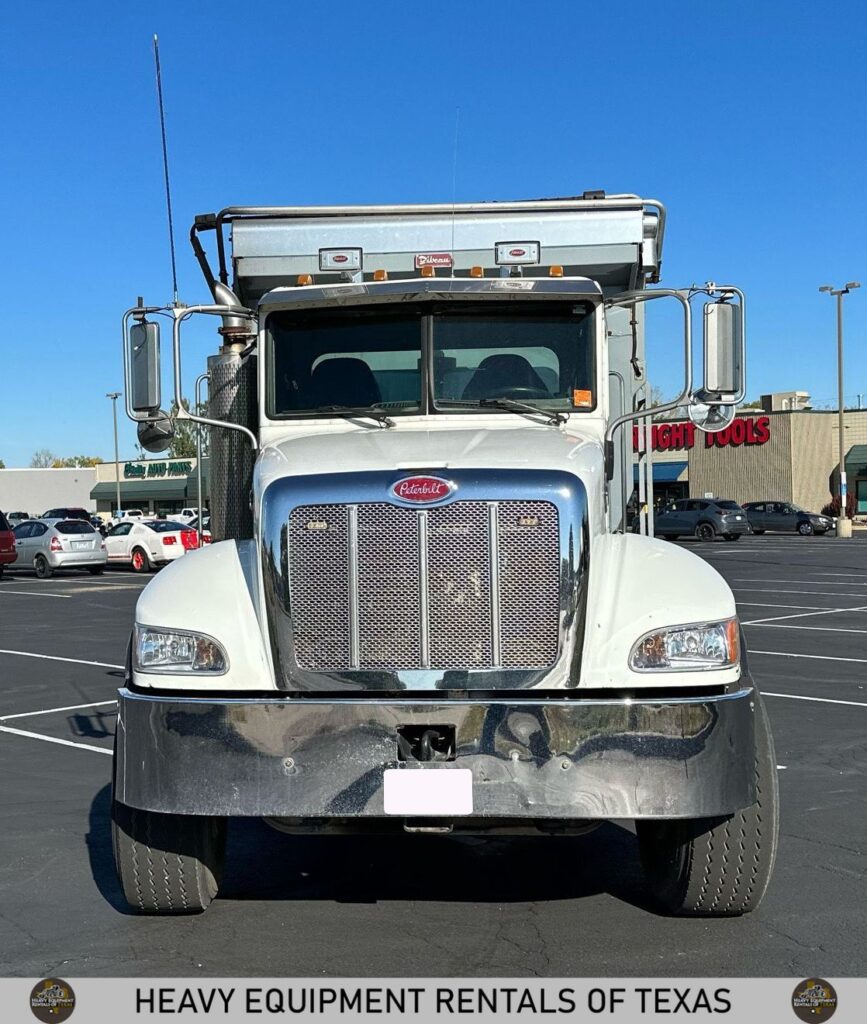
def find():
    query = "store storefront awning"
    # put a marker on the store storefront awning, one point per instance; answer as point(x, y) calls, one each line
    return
point(664, 472)
point(856, 460)
point(132, 491)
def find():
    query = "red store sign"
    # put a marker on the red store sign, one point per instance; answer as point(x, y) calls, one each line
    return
point(680, 435)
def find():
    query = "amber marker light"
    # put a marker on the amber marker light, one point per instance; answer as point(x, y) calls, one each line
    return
point(380, 275)
point(477, 272)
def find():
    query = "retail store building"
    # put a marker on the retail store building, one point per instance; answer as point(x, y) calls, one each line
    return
point(156, 486)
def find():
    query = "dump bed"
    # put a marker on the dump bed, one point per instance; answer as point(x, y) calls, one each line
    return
point(615, 240)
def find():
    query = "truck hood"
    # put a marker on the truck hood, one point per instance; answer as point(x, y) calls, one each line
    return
point(421, 449)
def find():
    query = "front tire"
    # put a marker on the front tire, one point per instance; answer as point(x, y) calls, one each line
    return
point(96, 570)
point(731, 536)
point(805, 529)
point(167, 863)
point(705, 532)
point(717, 867)
point(42, 568)
point(758, 533)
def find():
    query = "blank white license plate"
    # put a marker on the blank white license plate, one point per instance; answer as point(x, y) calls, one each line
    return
point(428, 791)
point(81, 545)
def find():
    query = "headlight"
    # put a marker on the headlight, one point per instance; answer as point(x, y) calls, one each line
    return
point(681, 648)
point(164, 650)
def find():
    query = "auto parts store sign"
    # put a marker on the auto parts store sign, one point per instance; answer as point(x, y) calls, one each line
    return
point(138, 470)
point(680, 435)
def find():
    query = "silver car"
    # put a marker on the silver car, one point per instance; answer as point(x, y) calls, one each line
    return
point(48, 545)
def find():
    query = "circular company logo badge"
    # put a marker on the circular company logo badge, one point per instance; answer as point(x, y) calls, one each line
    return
point(52, 1000)
point(422, 490)
point(814, 1000)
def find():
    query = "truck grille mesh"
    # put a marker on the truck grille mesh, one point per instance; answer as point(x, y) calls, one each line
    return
point(469, 585)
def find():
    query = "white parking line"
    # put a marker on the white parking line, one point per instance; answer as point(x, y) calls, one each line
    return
point(813, 657)
point(806, 615)
point(767, 604)
point(819, 700)
point(53, 739)
point(54, 657)
point(51, 711)
point(30, 593)
point(806, 593)
point(809, 583)
point(784, 625)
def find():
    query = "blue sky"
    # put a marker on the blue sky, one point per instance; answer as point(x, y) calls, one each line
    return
point(746, 119)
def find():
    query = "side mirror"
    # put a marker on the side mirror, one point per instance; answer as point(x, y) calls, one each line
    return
point(711, 418)
point(144, 367)
point(723, 354)
point(156, 435)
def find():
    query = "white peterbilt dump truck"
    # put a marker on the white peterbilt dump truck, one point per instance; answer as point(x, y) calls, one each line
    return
point(423, 610)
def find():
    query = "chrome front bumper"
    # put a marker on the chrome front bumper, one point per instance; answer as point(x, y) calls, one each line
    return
point(554, 759)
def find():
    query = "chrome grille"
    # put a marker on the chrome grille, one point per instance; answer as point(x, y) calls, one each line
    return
point(469, 585)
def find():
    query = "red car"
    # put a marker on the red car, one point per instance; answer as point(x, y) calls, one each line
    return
point(8, 554)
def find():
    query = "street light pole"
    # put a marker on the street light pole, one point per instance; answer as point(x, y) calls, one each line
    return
point(114, 396)
point(846, 531)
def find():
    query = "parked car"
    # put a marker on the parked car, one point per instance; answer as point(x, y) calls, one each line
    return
point(783, 515)
point(186, 515)
point(150, 543)
point(8, 554)
point(48, 545)
point(206, 527)
point(98, 523)
point(14, 518)
point(66, 513)
point(704, 518)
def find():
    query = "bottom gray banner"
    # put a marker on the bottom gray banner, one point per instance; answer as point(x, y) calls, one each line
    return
point(625, 1000)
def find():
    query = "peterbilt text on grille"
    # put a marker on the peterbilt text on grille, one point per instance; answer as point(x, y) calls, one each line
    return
point(428, 607)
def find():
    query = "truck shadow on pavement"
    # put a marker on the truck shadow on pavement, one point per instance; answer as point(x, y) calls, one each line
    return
point(266, 865)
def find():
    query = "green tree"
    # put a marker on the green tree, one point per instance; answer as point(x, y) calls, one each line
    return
point(42, 459)
point(2, 464)
point(77, 462)
point(183, 444)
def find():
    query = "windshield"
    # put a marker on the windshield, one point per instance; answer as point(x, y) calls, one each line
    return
point(424, 359)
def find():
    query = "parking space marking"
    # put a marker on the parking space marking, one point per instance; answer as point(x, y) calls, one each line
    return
point(31, 593)
point(805, 615)
point(784, 625)
point(806, 593)
point(818, 700)
point(55, 657)
point(51, 711)
point(809, 583)
point(813, 657)
point(767, 604)
point(53, 739)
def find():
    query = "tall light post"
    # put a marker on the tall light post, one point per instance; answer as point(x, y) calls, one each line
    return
point(846, 530)
point(114, 396)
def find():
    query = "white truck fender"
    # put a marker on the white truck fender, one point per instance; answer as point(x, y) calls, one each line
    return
point(214, 591)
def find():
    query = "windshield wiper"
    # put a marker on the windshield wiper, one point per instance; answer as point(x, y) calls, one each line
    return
point(348, 411)
point(510, 405)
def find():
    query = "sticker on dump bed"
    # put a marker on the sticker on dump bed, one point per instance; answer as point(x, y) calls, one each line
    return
point(417, 792)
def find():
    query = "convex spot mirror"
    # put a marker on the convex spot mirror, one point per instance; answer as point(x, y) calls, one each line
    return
point(711, 418)
point(144, 367)
point(723, 353)
point(156, 435)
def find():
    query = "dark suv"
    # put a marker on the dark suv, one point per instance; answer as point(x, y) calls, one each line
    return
point(67, 513)
point(783, 515)
point(704, 518)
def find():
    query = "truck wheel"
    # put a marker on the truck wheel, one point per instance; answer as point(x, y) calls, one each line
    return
point(717, 867)
point(139, 560)
point(704, 531)
point(167, 863)
point(43, 569)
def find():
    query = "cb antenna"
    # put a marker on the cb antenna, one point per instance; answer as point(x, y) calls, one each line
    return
point(455, 182)
point(166, 167)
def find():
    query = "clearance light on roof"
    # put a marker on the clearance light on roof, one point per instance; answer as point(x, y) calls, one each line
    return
point(555, 270)
point(477, 271)
point(340, 259)
point(517, 254)
point(428, 271)
point(380, 275)
point(304, 279)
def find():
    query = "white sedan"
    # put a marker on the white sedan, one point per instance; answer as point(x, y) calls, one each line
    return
point(147, 544)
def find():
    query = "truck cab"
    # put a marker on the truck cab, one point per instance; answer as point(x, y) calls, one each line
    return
point(422, 610)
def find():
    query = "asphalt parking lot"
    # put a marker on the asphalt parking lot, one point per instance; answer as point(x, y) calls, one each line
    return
point(429, 905)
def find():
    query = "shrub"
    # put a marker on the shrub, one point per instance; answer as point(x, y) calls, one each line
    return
point(833, 506)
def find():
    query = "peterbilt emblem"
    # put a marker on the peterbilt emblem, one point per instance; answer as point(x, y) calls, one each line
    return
point(517, 252)
point(339, 257)
point(422, 490)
